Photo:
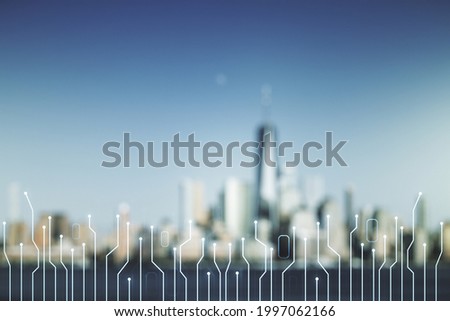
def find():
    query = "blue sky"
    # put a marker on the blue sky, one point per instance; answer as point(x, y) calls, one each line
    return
point(76, 74)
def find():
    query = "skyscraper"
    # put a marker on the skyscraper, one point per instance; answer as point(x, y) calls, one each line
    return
point(349, 211)
point(290, 197)
point(236, 208)
point(192, 206)
point(124, 212)
point(420, 230)
point(267, 176)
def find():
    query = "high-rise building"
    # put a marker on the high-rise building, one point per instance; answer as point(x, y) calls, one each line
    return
point(237, 208)
point(305, 222)
point(192, 205)
point(422, 213)
point(267, 177)
point(349, 211)
point(420, 231)
point(124, 239)
point(289, 191)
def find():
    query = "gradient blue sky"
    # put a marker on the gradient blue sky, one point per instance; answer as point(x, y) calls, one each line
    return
point(75, 74)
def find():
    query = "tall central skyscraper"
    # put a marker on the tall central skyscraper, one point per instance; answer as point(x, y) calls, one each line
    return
point(267, 175)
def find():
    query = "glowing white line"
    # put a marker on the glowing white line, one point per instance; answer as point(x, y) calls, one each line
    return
point(437, 262)
point(126, 263)
point(401, 262)
point(84, 270)
point(411, 244)
point(95, 257)
point(248, 269)
point(43, 263)
point(320, 264)
point(181, 270)
point(71, 272)
point(424, 271)
point(35, 245)
point(50, 252)
point(317, 289)
point(396, 259)
point(218, 269)
point(373, 274)
point(237, 285)
point(198, 263)
point(153, 262)
point(7, 260)
point(129, 289)
point(174, 273)
point(292, 263)
point(265, 258)
point(226, 271)
point(381, 266)
point(351, 256)
point(339, 257)
point(63, 265)
point(362, 271)
point(21, 271)
point(140, 269)
point(109, 253)
point(271, 273)
point(209, 285)
point(305, 280)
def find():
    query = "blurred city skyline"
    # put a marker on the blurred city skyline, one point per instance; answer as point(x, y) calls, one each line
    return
point(79, 74)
